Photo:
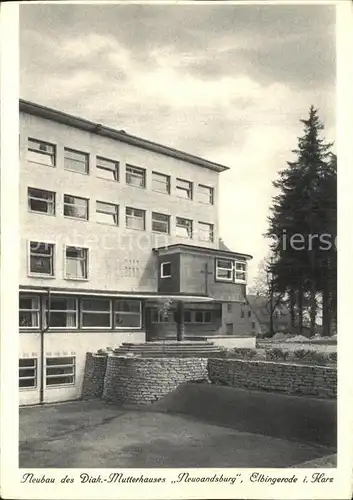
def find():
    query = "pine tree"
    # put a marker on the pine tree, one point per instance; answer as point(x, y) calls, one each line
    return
point(301, 211)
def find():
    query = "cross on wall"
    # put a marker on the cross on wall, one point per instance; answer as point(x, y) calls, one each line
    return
point(206, 272)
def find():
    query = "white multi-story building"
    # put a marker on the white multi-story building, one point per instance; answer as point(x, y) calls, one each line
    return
point(112, 226)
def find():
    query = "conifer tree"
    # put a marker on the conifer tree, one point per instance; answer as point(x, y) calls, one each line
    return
point(302, 212)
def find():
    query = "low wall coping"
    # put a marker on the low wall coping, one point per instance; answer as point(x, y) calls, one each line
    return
point(259, 361)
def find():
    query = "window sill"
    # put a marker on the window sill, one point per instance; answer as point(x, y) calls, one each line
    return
point(107, 224)
point(75, 279)
point(159, 232)
point(183, 198)
point(133, 185)
point(109, 180)
point(160, 192)
point(75, 218)
point(38, 275)
point(75, 171)
point(59, 386)
point(42, 164)
point(135, 229)
point(41, 213)
point(28, 388)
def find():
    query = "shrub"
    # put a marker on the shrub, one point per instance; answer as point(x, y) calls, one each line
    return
point(276, 354)
point(303, 354)
point(332, 356)
point(320, 358)
point(242, 353)
point(313, 357)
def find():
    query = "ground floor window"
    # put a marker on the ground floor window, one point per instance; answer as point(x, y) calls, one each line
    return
point(96, 313)
point(127, 314)
point(63, 312)
point(198, 316)
point(202, 317)
point(159, 316)
point(29, 311)
point(60, 371)
point(28, 372)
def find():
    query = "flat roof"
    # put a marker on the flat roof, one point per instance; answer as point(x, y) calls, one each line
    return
point(181, 296)
point(194, 248)
point(119, 135)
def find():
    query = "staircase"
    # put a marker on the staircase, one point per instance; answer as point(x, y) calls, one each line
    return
point(168, 349)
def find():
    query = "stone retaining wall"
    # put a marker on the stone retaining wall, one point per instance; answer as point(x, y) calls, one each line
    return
point(93, 380)
point(140, 381)
point(320, 381)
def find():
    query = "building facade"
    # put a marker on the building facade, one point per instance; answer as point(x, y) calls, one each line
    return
point(119, 242)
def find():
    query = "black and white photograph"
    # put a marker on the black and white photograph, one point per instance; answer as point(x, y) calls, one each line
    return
point(177, 297)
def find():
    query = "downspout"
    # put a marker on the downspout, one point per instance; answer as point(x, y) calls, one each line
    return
point(42, 332)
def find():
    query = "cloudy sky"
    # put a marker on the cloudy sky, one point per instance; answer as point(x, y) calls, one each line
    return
point(227, 82)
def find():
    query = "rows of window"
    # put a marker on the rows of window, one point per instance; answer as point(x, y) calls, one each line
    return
point(78, 161)
point(79, 313)
point(42, 263)
point(42, 260)
point(58, 371)
point(228, 270)
point(75, 207)
point(198, 316)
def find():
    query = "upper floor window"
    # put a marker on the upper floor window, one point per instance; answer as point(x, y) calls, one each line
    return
point(127, 314)
point(183, 227)
point(184, 189)
point(62, 313)
point(166, 269)
point(205, 194)
point(77, 161)
point(41, 152)
point(160, 183)
point(107, 213)
point(75, 207)
point(160, 223)
point(76, 263)
point(135, 218)
point(107, 169)
point(240, 271)
point(41, 258)
point(224, 270)
point(29, 311)
point(96, 313)
point(135, 176)
point(41, 201)
point(230, 270)
point(205, 232)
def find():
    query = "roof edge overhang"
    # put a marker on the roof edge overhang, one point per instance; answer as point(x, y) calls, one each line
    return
point(182, 297)
point(99, 129)
point(182, 248)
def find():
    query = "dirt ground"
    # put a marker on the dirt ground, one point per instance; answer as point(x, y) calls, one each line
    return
point(94, 434)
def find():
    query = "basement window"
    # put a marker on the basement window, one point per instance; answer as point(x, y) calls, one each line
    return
point(60, 371)
point(27, 373)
